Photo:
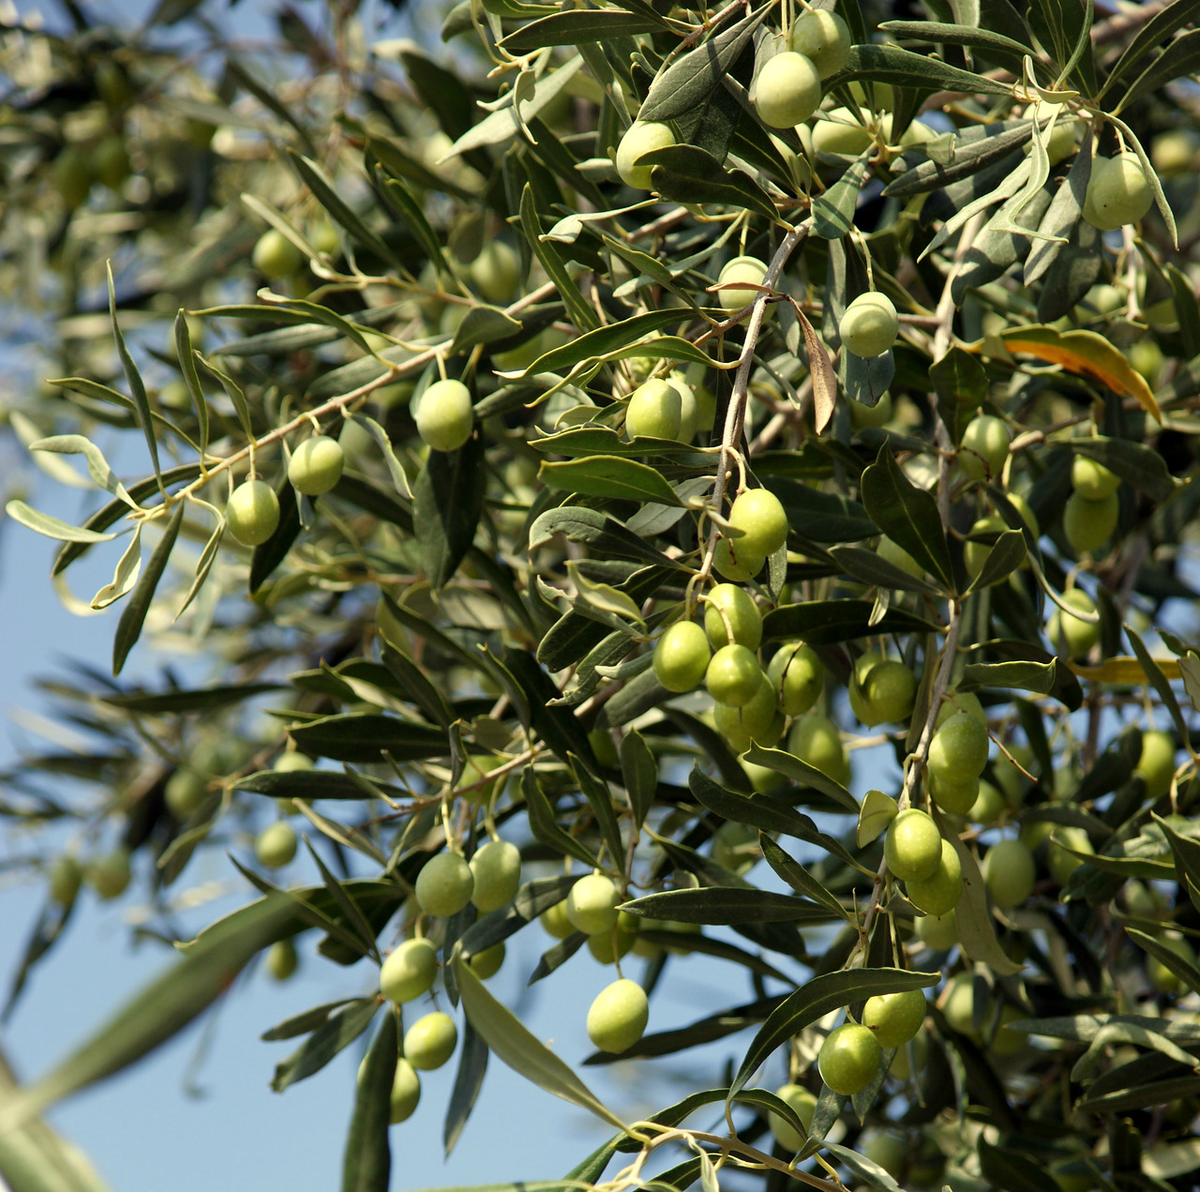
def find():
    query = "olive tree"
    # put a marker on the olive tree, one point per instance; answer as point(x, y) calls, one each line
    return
point(653, 480)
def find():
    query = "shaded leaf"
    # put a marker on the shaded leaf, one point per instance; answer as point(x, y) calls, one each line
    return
point(133, 616)
point(367, 1164)
point(328, 1039)
point(522, 1051)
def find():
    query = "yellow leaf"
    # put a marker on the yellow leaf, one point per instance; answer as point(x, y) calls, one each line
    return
point(1089, 355)
point(1124, 670)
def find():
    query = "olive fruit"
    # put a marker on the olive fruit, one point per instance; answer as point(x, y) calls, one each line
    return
point(281, 960)
point(554, 919)
point(275, 846)
point(655, 411)
point(913, 845)
point(1156, 763)
point(681, 656)
point(592, 904)
point(642, 137)
point(787, 90)
point(823, 38)
point(849, 1058)
point(406, 1093)
point(609, 946)
point(939, 893)
point(110, 161)
point(1061, 861)
point(958, 1005)
point(749, 722)
point(894, 1017)
point(252, 512)
point(444, 885)
point(445, 415)
point(939, 932)
point(839, 133)
point(73, 176)
point(496, 271)
point(316, 465)
point(815, 739)
point(1009, 872)
point(762, 520)
point(186, 791)
point(733, 562)
point(730, 615)
point(803, 1104)
point(66, 876)
point(980, 540)
point(870, 325)
point(1092, 480)
point(1074, 634)
point(409, 971)
point(886, 693)
point(617, 1018)
point(749, 271)
point(1118, 192)
point(275, 256)
point(954, 796)
point(733, 676)
point(1088, 525)
point(430, 1041)
point(959, 749)
point(798, 676)
point(487, 963)
point(496, 869)
point(984, 447)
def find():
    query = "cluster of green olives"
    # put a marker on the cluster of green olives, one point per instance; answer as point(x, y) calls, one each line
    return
point(786, 90)
point(252, 511)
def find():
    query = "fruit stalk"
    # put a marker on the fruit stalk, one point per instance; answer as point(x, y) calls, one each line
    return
point(735, 415)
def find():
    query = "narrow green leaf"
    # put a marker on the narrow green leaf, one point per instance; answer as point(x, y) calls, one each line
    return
point(688, 82)
point(581, 312)
point(522, 1051)
point(97, 465)
point(367, 1165)
point(447, 505)
point(53, 527)
point(639, 769)
point(763, 812)
point(1007, 554)
point(1142, 466)
point(906, 514)
point(971, 152)
point(610, 476)
point(468, 1080)
point(355, 737)
point(325, 191)
point(137, 387)
point(977, 936)
point(833, 212)
point(996, 44)
point(798, 877)
point(572, 27)
point(201, 699)
point(133, 616)
point(1180, 59)
point(331, 1037)
point(1163, 24)
point(126, 573)
point(1158, 680)
point(729, 906)
point(686, 173)
point(163, 1008)
point(905, 68)
point(804, 775)
point(600, 799)
point(236, 395)
point(306, 1021)
point(815, 999)
point(114, 511)
point(600, 530)
point(545, 825)
point(1008, 1169)
point(191, 378)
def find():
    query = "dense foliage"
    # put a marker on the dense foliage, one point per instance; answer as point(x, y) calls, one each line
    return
point(765, 530)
